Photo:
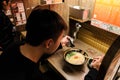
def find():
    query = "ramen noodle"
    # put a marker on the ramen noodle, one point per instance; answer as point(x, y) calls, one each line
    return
point(75, 58)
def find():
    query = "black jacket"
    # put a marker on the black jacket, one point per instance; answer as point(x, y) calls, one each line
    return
point(15, 66)
point(92, 74)
point(6, 27)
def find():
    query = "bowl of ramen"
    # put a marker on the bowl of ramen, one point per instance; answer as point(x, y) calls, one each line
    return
point(74, 57)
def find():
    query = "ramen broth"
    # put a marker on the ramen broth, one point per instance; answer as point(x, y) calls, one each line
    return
point(75, 58)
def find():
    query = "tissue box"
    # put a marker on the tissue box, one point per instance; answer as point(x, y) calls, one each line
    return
point(79, 13)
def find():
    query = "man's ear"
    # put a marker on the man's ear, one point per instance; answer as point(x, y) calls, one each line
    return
point(49, 43)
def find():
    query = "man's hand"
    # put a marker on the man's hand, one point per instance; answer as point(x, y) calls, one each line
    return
point(66, 41)
point(97, 62)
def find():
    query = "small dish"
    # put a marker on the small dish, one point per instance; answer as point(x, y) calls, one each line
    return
point(89, 63)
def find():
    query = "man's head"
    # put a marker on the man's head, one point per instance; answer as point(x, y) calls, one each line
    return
point(3, 4)
point(42, 25)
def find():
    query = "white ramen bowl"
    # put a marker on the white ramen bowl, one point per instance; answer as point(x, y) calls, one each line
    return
point(74, 57)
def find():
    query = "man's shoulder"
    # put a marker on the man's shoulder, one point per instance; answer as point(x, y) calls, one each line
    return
point(12, 76)
point(10, 52)
point(13, 47)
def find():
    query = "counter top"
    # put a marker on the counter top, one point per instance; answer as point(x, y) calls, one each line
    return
point(67, 71)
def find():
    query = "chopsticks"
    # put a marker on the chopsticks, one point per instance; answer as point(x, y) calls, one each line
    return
point(88, 57)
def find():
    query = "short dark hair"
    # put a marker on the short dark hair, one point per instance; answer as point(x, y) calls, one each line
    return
point(43, 24)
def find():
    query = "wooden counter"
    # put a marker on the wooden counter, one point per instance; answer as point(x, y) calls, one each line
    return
point(67, 71)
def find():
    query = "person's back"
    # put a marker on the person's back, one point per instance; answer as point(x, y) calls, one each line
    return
point(6, 27)
point(15, 66)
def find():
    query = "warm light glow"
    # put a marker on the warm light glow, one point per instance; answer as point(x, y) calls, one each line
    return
point(107, 11)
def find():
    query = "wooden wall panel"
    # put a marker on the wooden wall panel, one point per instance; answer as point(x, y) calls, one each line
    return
point(72, 2)
point(63, 9)
point(29, 5)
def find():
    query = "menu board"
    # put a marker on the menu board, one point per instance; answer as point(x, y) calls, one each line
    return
point(18, 13)
point(51, 1)
point(106, 15)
